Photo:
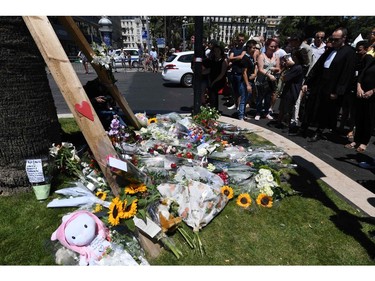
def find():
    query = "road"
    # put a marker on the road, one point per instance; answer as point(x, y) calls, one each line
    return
point(146, 92)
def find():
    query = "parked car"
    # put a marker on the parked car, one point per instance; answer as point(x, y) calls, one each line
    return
point(134, 57)
point(177, 69)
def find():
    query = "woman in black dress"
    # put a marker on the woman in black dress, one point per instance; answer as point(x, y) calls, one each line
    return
point(217, 76)
point(365, 106)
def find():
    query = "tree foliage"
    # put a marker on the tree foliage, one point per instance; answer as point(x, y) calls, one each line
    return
point(311, 24)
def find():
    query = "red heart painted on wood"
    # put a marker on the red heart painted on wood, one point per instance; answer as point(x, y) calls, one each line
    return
point(85, 109)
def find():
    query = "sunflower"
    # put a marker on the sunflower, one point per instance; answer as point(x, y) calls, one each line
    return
point(131, 210)
point(227, 191)
point(101, 195)
point(115, 211)
point(264, 200)
point(135, 188)
point(142, 188)
point(98, 208)
point(152, 120)
point(244, 200)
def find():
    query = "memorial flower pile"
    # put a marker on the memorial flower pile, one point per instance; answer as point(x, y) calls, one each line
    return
point(194, 167)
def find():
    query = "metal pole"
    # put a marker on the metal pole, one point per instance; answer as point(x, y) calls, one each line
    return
point(198, 57)
point(148, 36)
point(183, 36)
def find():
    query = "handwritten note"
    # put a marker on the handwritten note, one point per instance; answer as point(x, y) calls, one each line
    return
point(34, 170)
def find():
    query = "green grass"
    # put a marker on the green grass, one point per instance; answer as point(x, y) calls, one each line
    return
point(313, 227)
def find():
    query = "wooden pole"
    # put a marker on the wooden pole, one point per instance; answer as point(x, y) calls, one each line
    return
point(73, 92)
point(85, 47)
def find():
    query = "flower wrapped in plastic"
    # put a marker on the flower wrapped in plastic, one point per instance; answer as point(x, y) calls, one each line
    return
point(142, 119)
point(160, 132)
point(198, 203)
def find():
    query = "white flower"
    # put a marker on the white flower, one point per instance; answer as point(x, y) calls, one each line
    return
point(202, 151)
point(269, 178)
point(258, 178)
point(267, 190)
point(211, 167)
point(265, 172)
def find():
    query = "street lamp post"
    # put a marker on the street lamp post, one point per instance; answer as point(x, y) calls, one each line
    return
point(185, 23)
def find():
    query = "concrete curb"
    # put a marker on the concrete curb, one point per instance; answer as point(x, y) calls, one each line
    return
point(65, 115)
point(350, 190)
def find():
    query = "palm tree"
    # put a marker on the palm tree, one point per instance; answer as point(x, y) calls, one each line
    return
point(28, 117)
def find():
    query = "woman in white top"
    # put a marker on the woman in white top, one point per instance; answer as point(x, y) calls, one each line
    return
point(268, 66)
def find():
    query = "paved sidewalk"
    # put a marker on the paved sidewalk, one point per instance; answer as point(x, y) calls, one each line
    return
point(352, 191)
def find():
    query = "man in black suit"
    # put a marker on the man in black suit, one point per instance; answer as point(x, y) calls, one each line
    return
point(328, 82)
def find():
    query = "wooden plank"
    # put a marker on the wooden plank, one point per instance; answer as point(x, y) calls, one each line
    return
point(85, 47)
point(73, 92)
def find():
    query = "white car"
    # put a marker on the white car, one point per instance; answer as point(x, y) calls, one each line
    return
point(177, 69)
point(134, 57)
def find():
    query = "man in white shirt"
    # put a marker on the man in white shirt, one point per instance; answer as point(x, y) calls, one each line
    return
point(155, 61)
point(317, 47)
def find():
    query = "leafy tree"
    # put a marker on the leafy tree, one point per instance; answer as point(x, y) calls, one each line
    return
point(311, 24)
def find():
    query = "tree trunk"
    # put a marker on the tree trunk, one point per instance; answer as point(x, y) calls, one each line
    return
point(28, 117)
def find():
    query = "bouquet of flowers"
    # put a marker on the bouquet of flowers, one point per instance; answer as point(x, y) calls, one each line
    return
point(102, 58)
point(67, 160)
point(263, 188)
point(197, 194)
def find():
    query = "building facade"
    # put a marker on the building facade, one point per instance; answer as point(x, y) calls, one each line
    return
point(129, 31)
point(225, 28)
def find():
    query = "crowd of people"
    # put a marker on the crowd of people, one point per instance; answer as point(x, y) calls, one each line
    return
point(325, 83)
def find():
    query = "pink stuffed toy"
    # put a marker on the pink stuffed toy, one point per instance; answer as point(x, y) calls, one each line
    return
point(85, 234)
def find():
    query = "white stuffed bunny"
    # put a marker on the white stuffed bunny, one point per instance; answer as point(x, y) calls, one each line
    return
point(86, 234)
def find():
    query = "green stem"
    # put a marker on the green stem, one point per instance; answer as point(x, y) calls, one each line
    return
point(170, 246)
point(187, 237)
point(200, 245)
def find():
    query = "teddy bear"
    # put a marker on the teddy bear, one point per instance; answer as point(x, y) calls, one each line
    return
point(84, 233)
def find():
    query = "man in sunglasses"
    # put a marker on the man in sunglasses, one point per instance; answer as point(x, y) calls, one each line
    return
point(328, 81)
point(317, 47)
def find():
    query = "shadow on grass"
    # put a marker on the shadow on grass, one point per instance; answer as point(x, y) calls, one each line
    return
point(346, 222)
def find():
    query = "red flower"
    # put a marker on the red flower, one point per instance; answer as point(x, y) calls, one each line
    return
point(189, 155)
point(173, 165)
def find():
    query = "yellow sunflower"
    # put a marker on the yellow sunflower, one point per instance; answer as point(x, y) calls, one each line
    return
point(244, 200)
point(135, 188)
point(98, 208)
point(227, 191)
point(152, 120)
point(101, 195)
point(264, 200)
point(115, 211)
point(142, 188)
point(131, 210)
